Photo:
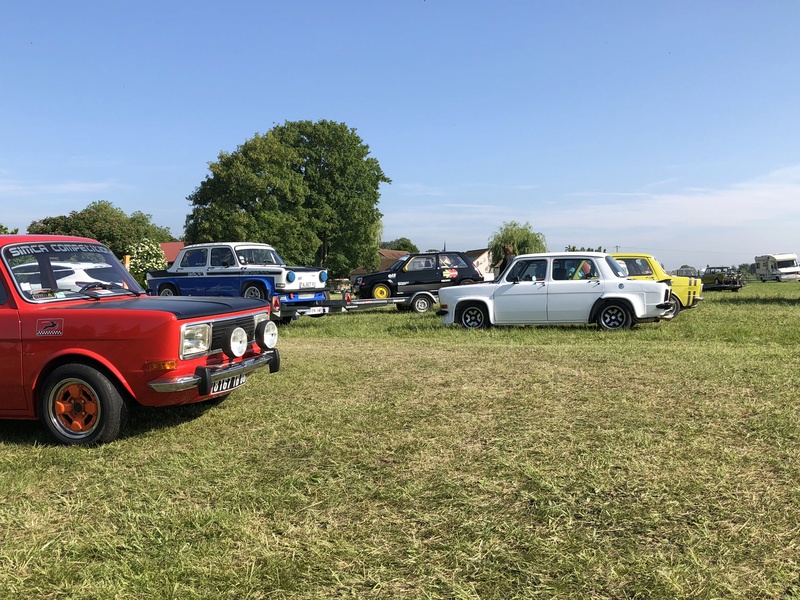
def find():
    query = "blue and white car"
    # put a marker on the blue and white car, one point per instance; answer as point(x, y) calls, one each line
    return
point(245, 269)
point(555, 289)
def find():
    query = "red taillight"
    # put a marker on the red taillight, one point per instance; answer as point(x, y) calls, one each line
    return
point(276, 304)
point(348, 298)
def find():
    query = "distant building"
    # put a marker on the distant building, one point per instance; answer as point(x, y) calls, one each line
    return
point(171, 250)
point(483, 261)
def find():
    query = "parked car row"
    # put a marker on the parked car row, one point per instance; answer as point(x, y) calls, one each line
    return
point(81, 340)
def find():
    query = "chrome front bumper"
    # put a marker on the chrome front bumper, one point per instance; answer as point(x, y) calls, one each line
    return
point(204, 378)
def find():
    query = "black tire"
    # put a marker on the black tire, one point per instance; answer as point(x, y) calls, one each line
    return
point(614, 316)
point(676, 307)
point(381, 291)
point(473, 316)
point(167, 290)
point(421, 304)
point(466, 282)
point(255, 291)
point(79, 405)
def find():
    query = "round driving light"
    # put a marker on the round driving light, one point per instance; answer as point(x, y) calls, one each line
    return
point(267, 335)
point(290, 277)
point(236, 345)
point(323, 277)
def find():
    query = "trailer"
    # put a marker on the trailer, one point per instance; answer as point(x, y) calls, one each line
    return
point(419, 302)
point(777, 267)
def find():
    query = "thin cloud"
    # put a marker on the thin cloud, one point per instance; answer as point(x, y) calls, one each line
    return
point(12, 188)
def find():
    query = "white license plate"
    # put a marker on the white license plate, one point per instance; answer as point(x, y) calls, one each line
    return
point(226, 385)
point(308, 284)
point(315, 310)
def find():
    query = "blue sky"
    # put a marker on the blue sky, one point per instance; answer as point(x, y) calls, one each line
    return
point(667, 127)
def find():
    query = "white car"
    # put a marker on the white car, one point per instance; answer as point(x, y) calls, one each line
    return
point(69, 276)
point(554, 289)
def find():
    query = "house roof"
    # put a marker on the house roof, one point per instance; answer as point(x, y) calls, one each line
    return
point(388, 258)
point(171, 249)
point(476, 253)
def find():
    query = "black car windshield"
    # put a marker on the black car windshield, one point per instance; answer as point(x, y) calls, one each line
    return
point(48, 271)
point(399, 263)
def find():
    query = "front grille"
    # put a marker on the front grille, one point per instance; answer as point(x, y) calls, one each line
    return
point(221, 330)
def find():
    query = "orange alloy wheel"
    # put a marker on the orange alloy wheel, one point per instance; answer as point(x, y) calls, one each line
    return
point(76, 407)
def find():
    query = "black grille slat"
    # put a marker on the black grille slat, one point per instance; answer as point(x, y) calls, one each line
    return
point(220, 330)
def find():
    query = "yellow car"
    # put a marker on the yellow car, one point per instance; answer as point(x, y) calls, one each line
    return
point(685, 290)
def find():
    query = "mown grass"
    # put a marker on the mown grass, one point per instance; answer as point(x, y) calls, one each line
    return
point(392, 457)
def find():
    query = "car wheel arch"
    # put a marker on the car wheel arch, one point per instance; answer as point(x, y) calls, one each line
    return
point(382, 284)
point(465, 305)
point(172, 288)
point(419, 295)
point(94, 362)
point(601, 302)
point(259, 285)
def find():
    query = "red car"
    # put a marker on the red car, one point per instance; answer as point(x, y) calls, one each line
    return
point(80, 340)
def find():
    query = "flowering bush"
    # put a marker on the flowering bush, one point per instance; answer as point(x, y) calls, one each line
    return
point(145, 256)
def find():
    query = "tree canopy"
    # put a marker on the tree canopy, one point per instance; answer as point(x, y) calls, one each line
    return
point(4, 229)
point(308, 188)
point(106, 223)
point(402, 243)
point(522, 239)
point(574, 248)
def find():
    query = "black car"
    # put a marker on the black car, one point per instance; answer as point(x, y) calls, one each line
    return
point(414, 274)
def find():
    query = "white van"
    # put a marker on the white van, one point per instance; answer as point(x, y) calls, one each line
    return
point(777, 267)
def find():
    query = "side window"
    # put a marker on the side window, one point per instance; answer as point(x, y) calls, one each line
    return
point(528, 270)
point(194, 258)
point(574, 269)
point(451, 261)
point(222, 257)
point(559, 270)
point(644, 267)
point(3, 296)
point(420, 263)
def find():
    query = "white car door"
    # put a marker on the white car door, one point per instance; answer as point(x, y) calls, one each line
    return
point(573, 288)
point(522, 295)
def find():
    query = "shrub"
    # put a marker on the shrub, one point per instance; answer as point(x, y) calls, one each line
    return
point(145, 256)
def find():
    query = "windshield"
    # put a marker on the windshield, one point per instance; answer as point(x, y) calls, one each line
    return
point(786, 264)
point(399, 264)
point(258, 256)
point(46, 271)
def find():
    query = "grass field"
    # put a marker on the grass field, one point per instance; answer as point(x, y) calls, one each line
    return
point(392, 457)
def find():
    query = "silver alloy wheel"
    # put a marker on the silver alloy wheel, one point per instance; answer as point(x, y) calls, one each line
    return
point(473, 317)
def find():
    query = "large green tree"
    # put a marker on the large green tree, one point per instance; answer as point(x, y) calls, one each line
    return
point(106, 223)
point(308, 188)
point(523, 239)
point(402, 243)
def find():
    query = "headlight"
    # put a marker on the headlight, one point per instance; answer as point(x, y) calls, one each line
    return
point(235, 344)
point(290, 276)
point(195, 339)
point(266, 335)
point(323, 276)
